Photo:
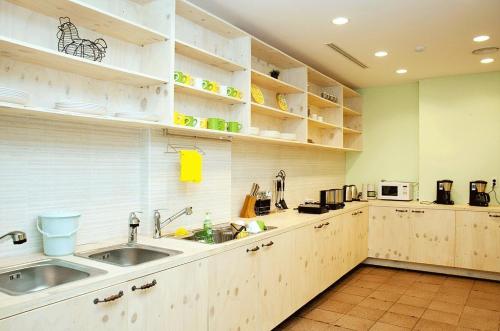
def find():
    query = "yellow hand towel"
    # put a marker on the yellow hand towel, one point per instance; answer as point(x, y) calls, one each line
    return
point(191, 166)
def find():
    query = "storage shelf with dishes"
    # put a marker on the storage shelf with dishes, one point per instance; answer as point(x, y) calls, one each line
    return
point(271, 94)
point(96, 19)
point(25, 52)
point(212, 76)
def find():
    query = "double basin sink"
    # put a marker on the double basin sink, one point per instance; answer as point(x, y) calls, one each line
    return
point(45, 274)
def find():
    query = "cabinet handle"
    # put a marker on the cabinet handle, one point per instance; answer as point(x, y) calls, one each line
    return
point(326, 224)
point(255, 249)
point(361, 212)
point(402, 210)
point(494, 215)
point(418, 211)
point(145, 286)
point(268, 244)
point(319, 226)
point(110, 298)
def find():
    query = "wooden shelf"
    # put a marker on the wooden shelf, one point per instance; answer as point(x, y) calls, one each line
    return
point(72, 117)
point(21, 51)
point(208, 21)
point(349, 111)
point(274, 84)
point(351, 131)
point(274, 112)
point(316, 100)
point(349, 92)
point(273, 55)
point(317, 78)
point(93, 18)
point(323, 125)
point(186, 89)
point(326, 146)
point(206, 57)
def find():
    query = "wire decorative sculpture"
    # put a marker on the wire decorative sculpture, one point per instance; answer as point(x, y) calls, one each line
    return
point(71, 43)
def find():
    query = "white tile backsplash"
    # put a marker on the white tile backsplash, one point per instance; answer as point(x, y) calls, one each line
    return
point(105, 173)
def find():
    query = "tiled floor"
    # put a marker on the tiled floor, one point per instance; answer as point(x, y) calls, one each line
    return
point(372, 298)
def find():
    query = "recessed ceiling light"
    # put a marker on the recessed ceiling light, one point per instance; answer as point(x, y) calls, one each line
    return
point(340, 20)
point(381, 53)
point(419, 48)
point(401, 71)
point(480, 39)
point(487, 60)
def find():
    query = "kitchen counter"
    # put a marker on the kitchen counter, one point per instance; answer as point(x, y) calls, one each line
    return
point(192, 251)
point(417, 204)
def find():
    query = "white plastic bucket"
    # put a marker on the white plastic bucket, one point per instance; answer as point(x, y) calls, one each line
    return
point(59, 232)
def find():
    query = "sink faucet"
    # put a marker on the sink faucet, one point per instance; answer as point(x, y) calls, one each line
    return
point(18, 237)
point(133, 224)
point(159, 224)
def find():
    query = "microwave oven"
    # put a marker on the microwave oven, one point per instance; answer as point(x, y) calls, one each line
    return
point(401, 191)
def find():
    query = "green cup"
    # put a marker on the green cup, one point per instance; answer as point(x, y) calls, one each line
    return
point(179, 77)
point(190, 121)
point(222, 125)
point(213, 123)
point(233, 127)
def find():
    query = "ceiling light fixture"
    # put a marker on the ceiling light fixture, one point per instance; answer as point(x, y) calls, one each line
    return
point(480, 39)
point(381, 53)
point(340, 20)
point(419, 48)
point(487, 60)
point(485, 50)
point(401, 71)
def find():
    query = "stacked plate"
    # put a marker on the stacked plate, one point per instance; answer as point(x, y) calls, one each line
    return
point(81, 107)
point(13, 96)
point(270, 134)
point(142, 116)
point(288, 136)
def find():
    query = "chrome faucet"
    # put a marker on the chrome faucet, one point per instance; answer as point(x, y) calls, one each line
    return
point(159, 224)
point(133, 224)
point(18, 237)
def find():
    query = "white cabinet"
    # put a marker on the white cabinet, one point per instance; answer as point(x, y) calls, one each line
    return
point(174, 299)
point(250, 286)
point(478, 241)
point(80, 313)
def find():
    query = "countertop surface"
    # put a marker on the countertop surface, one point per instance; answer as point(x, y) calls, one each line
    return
point(191, 251)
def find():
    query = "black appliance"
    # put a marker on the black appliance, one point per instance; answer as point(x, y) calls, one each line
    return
point(262, 206)
point(477, 194)
point(443, 192)
point(312, 208)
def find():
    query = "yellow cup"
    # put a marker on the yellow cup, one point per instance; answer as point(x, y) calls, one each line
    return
point(179, 118)
point(203, 123)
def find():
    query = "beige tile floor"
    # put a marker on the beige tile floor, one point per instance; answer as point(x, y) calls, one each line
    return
point(376, 298)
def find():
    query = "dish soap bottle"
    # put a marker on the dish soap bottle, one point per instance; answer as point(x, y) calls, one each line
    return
point(207, 228)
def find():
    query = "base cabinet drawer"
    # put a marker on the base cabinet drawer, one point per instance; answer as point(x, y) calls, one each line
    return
point(478, 241)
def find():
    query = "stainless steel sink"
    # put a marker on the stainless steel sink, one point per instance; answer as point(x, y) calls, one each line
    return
point(221, 233)
point(128, 255)
point(41, 275)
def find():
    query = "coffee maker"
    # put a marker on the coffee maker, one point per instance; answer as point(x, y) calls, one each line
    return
point(477, 194)
point(443, 192)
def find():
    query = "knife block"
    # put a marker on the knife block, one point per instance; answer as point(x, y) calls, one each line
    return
point(248, 209)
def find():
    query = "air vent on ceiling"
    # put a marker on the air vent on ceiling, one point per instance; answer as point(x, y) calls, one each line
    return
point(347, 55)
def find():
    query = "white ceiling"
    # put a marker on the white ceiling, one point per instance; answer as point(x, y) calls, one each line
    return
point(301, 29)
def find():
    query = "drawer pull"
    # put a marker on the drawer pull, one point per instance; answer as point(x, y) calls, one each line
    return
point(268, 244)
point(494, 215)
point(319, 226)
point(110, 298)
point(145, 286)
point(255, 249)
point(402, 210)
point(418, 211)
point(326, 224)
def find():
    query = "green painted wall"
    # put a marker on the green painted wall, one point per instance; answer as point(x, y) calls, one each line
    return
point(390, 136)
point(459, 132)
point(440, 128)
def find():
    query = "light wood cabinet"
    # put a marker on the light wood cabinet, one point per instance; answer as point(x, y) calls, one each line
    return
point(478, 241)
point(389, 233)
point(250, 286)
point(432, 236)
point(80, 313)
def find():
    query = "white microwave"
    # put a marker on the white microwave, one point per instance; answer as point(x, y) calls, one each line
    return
point(401, 191)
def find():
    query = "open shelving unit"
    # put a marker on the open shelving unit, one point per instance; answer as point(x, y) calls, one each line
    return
point(164, 36)
point(25, 52)
point(93, 18)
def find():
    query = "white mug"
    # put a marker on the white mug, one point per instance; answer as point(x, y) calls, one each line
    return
point(198, 82)
point(223, 90)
